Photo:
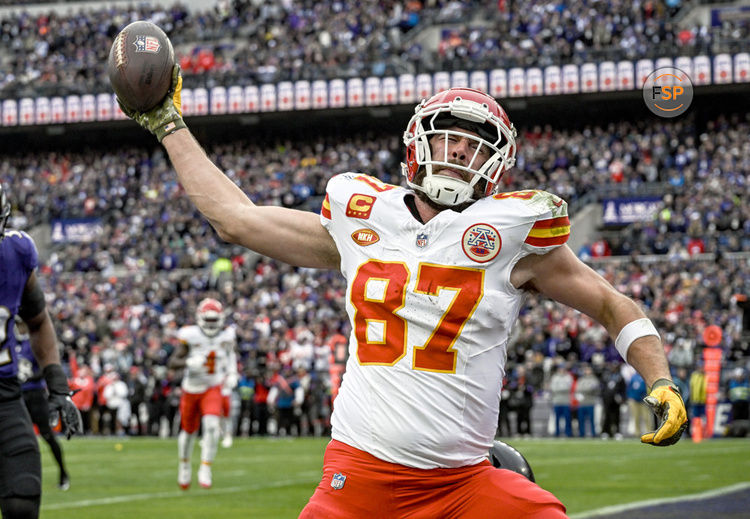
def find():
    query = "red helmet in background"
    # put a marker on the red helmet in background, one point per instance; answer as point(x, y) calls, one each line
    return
point(458, 108)
point(210, 316)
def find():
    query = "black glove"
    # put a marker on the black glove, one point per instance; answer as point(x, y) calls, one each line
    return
point(61, 407)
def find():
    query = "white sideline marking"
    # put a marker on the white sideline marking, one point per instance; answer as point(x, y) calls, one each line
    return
point(653, 502)
point(177, 493)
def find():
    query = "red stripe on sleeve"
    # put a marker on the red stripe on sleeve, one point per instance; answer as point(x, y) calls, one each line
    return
point(325, 209)
point(547, 242)
point(552, 222)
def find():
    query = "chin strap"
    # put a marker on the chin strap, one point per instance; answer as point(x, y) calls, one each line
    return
point(447, 190)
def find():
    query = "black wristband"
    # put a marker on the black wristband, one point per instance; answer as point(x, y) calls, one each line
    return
point(56, 380)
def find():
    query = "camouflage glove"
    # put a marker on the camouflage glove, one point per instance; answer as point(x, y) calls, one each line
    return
point(666, 402)
point(61, 406)
point(166, 117)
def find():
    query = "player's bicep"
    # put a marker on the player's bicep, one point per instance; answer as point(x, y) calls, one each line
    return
point(561, 276)
point(289, 235)
point(32, 303)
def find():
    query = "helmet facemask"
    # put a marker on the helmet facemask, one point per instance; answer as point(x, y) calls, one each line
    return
point(489, 133)
point(210, 317)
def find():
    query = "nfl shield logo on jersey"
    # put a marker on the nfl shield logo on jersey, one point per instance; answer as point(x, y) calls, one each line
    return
point(421, 240)
point(338, 481)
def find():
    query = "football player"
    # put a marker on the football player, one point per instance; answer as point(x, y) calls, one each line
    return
point(436, 275)
point(34, 391)
point(204, 354)
point(21, 295)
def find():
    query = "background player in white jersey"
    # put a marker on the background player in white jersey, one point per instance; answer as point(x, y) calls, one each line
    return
point(204, 354)
point(436, 276)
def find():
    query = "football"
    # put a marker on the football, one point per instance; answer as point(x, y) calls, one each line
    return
point(140, 65)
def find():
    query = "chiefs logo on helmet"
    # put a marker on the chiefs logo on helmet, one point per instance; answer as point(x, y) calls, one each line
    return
point(448, 113)
point(210, 316)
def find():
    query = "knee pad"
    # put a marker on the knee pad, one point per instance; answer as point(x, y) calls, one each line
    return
point(20, 507)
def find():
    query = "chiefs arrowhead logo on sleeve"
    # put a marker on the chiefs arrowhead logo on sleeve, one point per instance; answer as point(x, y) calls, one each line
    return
point(360, 206)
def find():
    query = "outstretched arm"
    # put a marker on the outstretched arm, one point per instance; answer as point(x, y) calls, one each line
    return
point(561, 276)
point(289, 235)
point(294, 237)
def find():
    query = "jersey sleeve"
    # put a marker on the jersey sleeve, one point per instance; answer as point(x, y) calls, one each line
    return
point(25, 249)
point(184, 335)
point(333, 193)
point(551, 227)
point(336, 191)
point(351, 195)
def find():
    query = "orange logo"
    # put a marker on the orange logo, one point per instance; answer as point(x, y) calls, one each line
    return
point(360, 206)
point(365, 237)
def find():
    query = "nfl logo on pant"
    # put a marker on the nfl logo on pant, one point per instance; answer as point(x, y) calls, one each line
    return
point(338, 481)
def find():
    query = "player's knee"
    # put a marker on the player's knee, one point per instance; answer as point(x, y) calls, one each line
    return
point(20, 507)
point(211, 423)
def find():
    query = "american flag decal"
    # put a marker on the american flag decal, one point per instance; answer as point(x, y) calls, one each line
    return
point(145, 43)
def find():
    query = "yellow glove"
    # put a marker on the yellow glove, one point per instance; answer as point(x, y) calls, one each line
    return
point(666, 402)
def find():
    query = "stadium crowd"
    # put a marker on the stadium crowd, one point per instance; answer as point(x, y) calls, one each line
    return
point(250, 42)
point(118, 299)
point(700, 172)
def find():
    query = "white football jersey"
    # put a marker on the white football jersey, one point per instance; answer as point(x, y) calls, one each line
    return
point(431, 307)
point(215, 353)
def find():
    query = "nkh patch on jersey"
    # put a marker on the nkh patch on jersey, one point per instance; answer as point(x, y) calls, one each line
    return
point(365, 237)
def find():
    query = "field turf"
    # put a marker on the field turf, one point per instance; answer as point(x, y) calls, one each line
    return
point(273, 478)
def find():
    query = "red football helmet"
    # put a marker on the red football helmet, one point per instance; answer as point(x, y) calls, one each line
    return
point(458, 108)
point(210, 316)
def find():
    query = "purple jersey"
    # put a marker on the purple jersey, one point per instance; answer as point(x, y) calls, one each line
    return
point(18, 259)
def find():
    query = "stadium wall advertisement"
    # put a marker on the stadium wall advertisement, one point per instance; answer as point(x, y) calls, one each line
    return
point(607, 76)
point(622, 211)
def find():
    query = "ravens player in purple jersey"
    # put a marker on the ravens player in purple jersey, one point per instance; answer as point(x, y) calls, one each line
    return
point(20, 294)
point(35, 395)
